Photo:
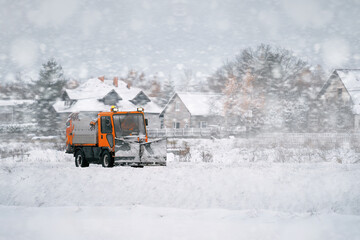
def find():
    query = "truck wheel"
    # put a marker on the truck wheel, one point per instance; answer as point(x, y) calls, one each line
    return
point(80, 160)
point(106, 159)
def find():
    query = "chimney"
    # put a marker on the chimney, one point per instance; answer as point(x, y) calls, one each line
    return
point(115, 82)
point(101, 78)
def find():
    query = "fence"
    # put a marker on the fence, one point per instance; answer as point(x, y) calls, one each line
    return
point(207, 132)
point(18, 127)
point(265, 139)
point(180, 132)
point(27, 132)
point(303, 139)
point(194, 132)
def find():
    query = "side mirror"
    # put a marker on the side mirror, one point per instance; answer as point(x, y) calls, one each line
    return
point(92, 125)
point(146, 122)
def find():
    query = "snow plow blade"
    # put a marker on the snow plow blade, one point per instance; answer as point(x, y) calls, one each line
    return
point(134, 153)
point(153, 152)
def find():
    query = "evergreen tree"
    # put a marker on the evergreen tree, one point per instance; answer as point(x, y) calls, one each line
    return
point(168, 90)
point(47, 89)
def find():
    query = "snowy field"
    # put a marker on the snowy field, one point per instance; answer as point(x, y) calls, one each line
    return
point(214, 193)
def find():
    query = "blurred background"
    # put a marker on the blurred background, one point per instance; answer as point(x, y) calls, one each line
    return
point(269, 60)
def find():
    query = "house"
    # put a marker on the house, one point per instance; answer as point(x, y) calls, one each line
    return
point(343, 86)
point(99, 94)
point(15, 111)
point(192, 110)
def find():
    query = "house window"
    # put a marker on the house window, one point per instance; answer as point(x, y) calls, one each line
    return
point(202, 124)
point(176, 125)
point(162, 122)
point(339, 91)
point(177, 106)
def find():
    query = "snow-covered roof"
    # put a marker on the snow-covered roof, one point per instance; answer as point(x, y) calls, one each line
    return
point(94, 88)
point(88, 94)
point(351, 81)
point(13, 102)
point(93, 105)
point(199, 103)
point(90, 105)
point(151, 107)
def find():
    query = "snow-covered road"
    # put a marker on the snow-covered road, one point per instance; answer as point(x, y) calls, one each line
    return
point(139, 222)
point(44, 198)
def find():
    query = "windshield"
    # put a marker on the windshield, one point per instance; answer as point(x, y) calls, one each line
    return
point(129, 124)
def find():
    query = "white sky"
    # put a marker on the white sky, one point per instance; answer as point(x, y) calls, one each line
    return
point(91, 38)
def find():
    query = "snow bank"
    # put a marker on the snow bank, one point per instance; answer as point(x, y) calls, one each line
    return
point(315, 187)
point(218, 174)
point(234, 151)
point(219, 151)
point(37, 151)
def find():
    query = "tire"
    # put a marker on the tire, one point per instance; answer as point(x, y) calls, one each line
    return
point(80, 160)
point(107, 160)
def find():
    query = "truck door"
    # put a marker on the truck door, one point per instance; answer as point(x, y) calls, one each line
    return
point(106, 138)
point(128, 132)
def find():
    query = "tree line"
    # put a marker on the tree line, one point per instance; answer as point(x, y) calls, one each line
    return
point(270, 89)
point(45, 91)
point(264, 88)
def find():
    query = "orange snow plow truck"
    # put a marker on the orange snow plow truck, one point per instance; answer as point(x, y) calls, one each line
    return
point(114, 137)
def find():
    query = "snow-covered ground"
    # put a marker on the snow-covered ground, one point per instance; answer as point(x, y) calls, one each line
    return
point(43, 196)
point(140, 222)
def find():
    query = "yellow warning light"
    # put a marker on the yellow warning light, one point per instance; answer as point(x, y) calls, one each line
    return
point(113, 109)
